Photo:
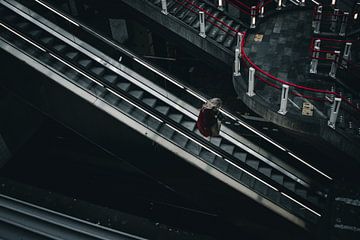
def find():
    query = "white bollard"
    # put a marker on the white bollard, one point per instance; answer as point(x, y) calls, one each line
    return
point(220, 5)
point(202, 24)
point(284, 99)
point(261, 9)
point(253, 17)
point(334, 19)
point(315, 60)
point(239, 37)
point(250, 91)
point(343, 24)
point(317, 43)
point(333, 2)
point(164, 7)
point(347, 52)
point(334, 112)
point(317, 19)
point(237, 63)
point(302, 3)
point(279, 5)
point(334, 64)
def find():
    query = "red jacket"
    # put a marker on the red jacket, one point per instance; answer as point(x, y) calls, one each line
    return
point(205, 121)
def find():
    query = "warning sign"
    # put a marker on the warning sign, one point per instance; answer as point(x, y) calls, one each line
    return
point(307, 109)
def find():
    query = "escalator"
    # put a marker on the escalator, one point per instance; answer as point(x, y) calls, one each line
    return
point(158, 115)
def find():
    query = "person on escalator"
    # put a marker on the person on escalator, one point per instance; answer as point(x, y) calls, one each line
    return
point(209, 119)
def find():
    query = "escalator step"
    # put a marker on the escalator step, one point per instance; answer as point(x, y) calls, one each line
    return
point(85, 62)
point(207, 155)
point(123, 86)
point(180, 139)
point(313, 199)
point(176, 117)
point(266, 171)
point(47, 40)
point(11, 18)
point(72, 55)
point(241, 156)
point(253, 163)
point(23, 25)
point(60, 47)
point(111, 98)
point(110, 78)
point(166, 131)
point(84, 82)
point(189, 125)
point(35, 33)
point(221, 164)
point(286, 202)
point(278, 178)
point(216, 141)
point(150, 101)
point(98, 70)
point(193, 148)
point(301, 193)
point(260, 188)
point(227, 148)
point(289, 185)
point(139, 115)
point(125, 106)
point(234, 171)
point(163, 109)
point(98, 90)
point(137, 93)
point(152, 123)
point(247, 180)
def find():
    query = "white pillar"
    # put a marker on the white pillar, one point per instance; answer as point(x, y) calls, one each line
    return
point(343, 24)
point(202, 24)
point(334, 19)
point(221, 5)
point(333, 2)
point(261, 9)
point(164, 7)
point(279, 5)
point(334, 64)
point(250, 91)
point(334, 112)
point(347, 53)
point(302, 3)
point(317, 19)
point(315, 60)
point(239, 37)
point(284, 99)
point(237, 63)
point(253, 17)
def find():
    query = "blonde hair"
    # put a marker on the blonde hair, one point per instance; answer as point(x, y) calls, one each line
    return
point(213, 103)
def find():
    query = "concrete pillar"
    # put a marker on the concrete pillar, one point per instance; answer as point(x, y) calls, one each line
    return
point(284, 99)
point(334, 112)
point(250, 91)
point(202, 24)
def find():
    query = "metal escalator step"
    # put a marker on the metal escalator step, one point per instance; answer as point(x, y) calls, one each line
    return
point(11, 17)
point(289, 185)
point(260, 188)
point(98, 70)
point(72, 55)
point(247, 180)
point(98, 90)
point(150, 101)
point(163, 109)
point(174, 9)
point(266, 171)
point(253, 163)
point(234, 172)
point(180, 139)
point(123, 86)
point(216, 141)
point(60, 47)
point(190, 18)
point(59, 66)
point(189, 125)
point(111, 98)
point(136, 93)
point(35, 33)
point(166, 131)
point(221, 164)
point(139, 114)
point(207, 155)
point(85, 62)
point(273, 195)
point(193, 148)
point(84, 82)
point(286, 202)
point(215, 30)
point(196, 24)
point(301, 192)
point(125, 106)
point(176, 117)
point(152, 123)
point(47, 40)
point(278, 178)
point(241, 156)
point(313, 199)
point(110, 78)
point(23, 25)
point(227, 148)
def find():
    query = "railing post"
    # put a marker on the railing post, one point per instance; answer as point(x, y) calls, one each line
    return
point(302, 3)
point(164, 7)
point(334, 19)
point(333, 2)
point(284, 99)
point(315, 60)
point(250, 91)
point(253, 17)
point(221, 5)
point(347, 52)
point(202, 24)
point(334, 64)
point(239, 37)
point(237, 62)
point(334, 112)
point(279, 5)
point(261, 9)
point(317, 19)
point(343, 24)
